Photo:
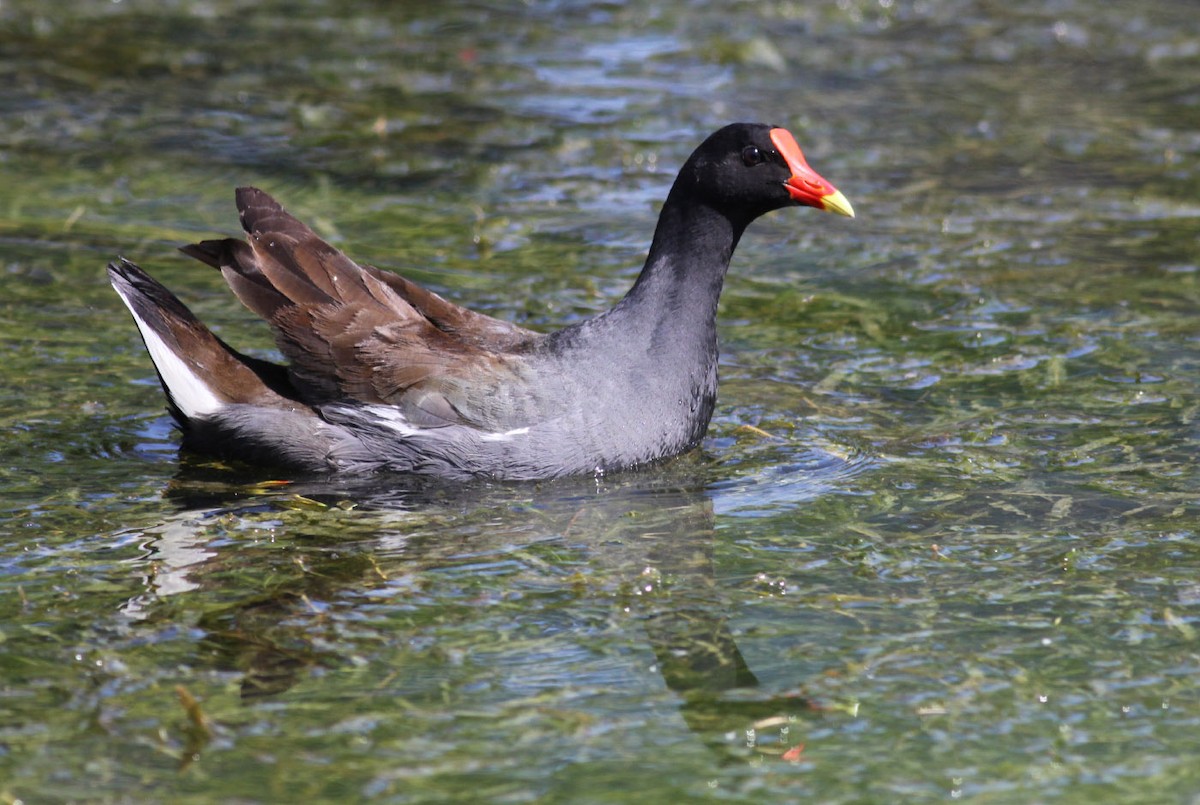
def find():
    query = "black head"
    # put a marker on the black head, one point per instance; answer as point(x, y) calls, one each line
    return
point(748, 169)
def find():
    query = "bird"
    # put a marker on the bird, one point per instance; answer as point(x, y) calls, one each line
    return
point(385, 376)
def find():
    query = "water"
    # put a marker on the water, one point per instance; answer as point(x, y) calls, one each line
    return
point(940, 543)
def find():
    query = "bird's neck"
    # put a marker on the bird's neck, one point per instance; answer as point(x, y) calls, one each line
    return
point(685, 270)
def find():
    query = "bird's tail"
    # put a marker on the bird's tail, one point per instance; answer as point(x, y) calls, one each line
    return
point(199, 372)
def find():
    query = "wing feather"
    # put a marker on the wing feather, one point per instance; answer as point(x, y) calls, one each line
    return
point(357, 333)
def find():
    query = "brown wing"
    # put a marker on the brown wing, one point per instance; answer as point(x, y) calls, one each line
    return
point(357, 332)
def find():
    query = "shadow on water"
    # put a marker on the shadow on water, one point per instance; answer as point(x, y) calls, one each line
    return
point(642, 542)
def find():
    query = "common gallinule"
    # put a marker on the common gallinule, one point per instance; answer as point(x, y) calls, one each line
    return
point(385, 375)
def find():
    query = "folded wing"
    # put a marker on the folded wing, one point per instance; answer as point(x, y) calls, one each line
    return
point(356, 333)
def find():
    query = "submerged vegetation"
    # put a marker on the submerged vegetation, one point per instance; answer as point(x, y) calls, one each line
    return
point(941, 540)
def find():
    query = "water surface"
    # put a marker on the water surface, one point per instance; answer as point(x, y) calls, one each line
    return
point(941, 542)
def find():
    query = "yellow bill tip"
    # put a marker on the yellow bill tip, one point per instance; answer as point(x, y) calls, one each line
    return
point(836, 202)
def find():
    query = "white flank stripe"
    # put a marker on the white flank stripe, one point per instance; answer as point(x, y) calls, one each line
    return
point(393, 419)
point(505, 436)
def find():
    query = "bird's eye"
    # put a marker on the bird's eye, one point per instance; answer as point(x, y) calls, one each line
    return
point(751, 156)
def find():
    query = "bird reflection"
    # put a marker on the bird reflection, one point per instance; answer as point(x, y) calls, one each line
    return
point(654, 532)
